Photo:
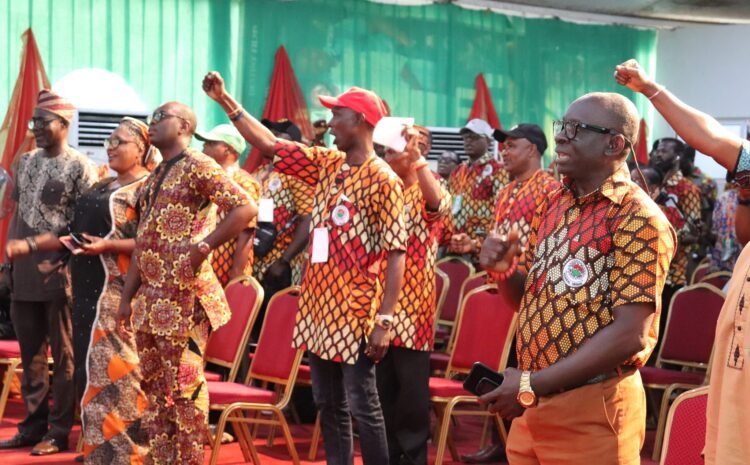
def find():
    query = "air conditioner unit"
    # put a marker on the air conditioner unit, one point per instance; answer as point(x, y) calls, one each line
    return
point(102, 98)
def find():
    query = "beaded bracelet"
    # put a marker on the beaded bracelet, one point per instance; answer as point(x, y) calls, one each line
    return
point(509, 272)
point(234, 115)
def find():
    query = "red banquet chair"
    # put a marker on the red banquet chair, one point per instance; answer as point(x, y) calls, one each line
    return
point(700, 271)
point(688, 343)
point(718, 279)
point(686, 429)
point(439, 360)
point(458, 270)
point(227, 344)
point(275, 362)
point(485, 330)
point(10, 359)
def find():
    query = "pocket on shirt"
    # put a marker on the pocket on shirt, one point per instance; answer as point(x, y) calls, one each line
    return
point(52, 192)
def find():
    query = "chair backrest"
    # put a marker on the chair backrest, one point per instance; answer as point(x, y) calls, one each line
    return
point(486, 325)
point(442, 284)
point(226, 346)
point(275, 360)
point(718, 279)
point(457, 270)
point(685, 432)
point(689, 335)
point(700, 271)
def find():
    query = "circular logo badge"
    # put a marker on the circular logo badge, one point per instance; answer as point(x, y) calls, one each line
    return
point(274, 184)
point(340, 215)
point(575, 273)
point(487, 171)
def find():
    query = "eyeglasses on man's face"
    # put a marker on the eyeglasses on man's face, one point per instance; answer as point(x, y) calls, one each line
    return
point(38, 122)
point(159, 115)
point(570, 128)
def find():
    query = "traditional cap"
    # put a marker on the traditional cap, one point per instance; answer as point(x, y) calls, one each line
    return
point(477, 126)
point(360, 100)
point(528, 131)
point(284, 126)
point(224, 133)
point(55, 104)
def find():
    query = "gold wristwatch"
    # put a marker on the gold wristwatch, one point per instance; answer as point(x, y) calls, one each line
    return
point(526, 396)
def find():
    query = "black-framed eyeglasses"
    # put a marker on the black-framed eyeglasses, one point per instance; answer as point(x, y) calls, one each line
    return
point(570, 128)
point(114, 142)
point(472, 136)
point(161, 114)
point(38, 122)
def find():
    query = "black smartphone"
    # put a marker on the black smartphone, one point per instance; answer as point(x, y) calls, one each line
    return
point(482, 379)
point(79, 239)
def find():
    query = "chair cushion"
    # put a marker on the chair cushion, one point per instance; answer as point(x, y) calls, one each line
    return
point(443, 387)
point(212, 376)
point(10, 349)
point(304, 375)
point(439, 361)
point(653, 375)
point(221, 392)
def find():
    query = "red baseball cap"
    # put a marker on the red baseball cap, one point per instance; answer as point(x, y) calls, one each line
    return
point(360, 100)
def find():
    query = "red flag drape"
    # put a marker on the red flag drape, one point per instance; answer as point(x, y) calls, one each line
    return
point(285, 100)
point(641, 147)
point(15, 138)
point(483, 107)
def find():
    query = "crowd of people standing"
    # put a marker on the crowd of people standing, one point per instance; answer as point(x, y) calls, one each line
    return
point(124, 275)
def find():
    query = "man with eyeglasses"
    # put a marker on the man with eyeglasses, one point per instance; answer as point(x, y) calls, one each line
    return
point(171, 296)
point(589, 293)
point(474, 186)
point(48, 181)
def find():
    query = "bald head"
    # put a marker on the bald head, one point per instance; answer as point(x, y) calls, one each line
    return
point(183, 111)
point(612, 111)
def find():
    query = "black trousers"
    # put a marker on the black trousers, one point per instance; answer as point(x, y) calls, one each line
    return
point(403, 386)
point(34, 323)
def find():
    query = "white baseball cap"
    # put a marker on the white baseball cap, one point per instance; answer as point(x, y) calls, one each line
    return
point(478, 126)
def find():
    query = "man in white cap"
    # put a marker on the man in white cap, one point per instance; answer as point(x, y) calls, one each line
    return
point(234, 258)
point(474, 186)
point(48, 182)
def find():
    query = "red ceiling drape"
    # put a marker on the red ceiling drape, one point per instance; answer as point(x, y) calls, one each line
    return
point(641, 147)
point(285, 100)
point(483, 107)
point(15, 138)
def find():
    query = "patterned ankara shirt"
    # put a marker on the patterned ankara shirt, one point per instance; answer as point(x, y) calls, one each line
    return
point(726, 249)
point(474, 187)
point(172, 218)
point(292, 199)
point(222, 258)
point(707, 186)
point(361, 208)
point(589, 255)
point(414, 321)
point(516, 205)
point(741, 173)
point(684, 199)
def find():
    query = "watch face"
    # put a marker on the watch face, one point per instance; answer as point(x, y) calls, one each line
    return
point(526, 399)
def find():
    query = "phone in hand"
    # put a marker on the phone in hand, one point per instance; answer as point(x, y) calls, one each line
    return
point(482, 379)
point(79, 239)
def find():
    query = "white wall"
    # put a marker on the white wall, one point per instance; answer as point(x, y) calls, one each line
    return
point(707, 67)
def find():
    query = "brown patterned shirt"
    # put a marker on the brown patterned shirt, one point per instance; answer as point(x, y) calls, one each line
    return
point(683, 208)
point(589, 255)
point(361, 210)
point(174, 216)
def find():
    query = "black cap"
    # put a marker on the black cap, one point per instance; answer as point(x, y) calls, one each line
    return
point(285, 126)
point(528, 131)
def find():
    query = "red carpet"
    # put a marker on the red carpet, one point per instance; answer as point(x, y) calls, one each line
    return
point(466, 435)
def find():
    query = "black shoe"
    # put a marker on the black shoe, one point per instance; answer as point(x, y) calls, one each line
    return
point(493, 453)
point(17, 442)
point(49, 446)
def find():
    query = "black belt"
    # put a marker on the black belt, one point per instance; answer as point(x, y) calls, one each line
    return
point(601, 377)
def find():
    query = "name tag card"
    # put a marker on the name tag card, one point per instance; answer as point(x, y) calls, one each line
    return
point(265, 210)
point(320, 245)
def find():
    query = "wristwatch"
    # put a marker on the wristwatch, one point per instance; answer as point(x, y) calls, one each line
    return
point(384, 321)
point(526, 396)
point(204, 247)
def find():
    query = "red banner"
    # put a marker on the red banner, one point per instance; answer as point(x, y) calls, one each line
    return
point(483, 108)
